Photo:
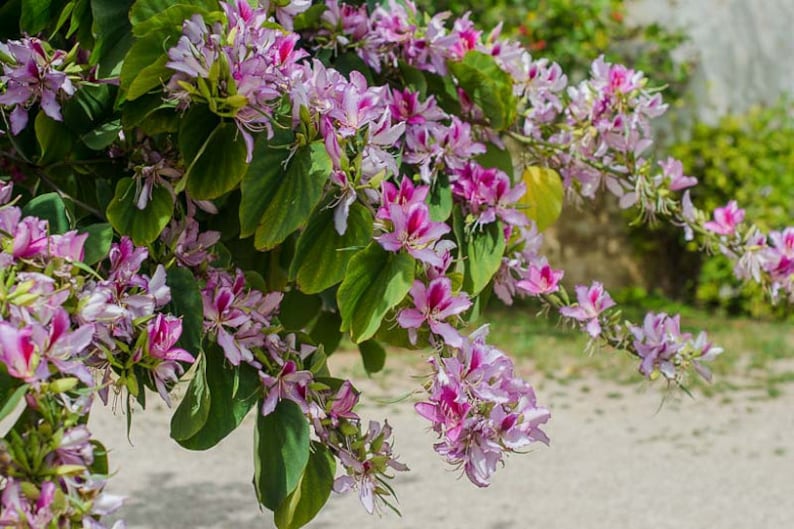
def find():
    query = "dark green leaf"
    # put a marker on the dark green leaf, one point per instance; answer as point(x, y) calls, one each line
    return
point(278, 201)
point(350, 62)
point(219, 166)
point(51, 208)
point(113, 35)
point(192, 413)
point(144, 226)
point(186, 302)
point(151, 114)
point(97, 246)
point(497, 158)
point(101, 137)
point(144, 66)
point(54, 138)
point(373, 355)
point(35, 15)
point(326, 331)
point(490, 87)
point(310, 18)
point(414, 78)
point(91, 104)
point(440, 199)
point(483, 251)
point(10, 13)
point(298, 309)
point(443, 88)
point(100, 464)
point(195, 128)
point(233, 392)
point(11, 401)
point(312, 492)
point(375, 282)
point(281, 452)
point(171, 18)
point(322, 255)
point(143, 10)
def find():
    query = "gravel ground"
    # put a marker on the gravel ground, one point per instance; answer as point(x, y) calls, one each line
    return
point(621, 457)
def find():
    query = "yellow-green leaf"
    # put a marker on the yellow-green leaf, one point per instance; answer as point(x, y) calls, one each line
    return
point(544, 195)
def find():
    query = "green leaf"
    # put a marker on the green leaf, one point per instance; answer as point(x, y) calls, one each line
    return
point(322, 255)
point(281, 453)
point(373, 355)
point(192, 413)
point(171, 18)
point(414, 78)
point(312, 492)
point(440, 199)
point(309, 19)
point(195, 128)
point(325, 331)
point(144, 10)
point(35, 16)
point(277, 201)
point(490, 87)
point(51, 208)
point(151, 114)
point(113, 35)
point(497, 158)
point(144, 66)
point(144, 226)
point(443, 88)
point(375, 282)
point(97, 246)
point(350, 62)
point(91, 104)
point(544, 195)
point(298, 309)
point(483, 250)
point(54, 138)
point(101, 137)
point(219, 166)
point(10, 403)
point(233, 391)
point(100, 464)
point(186, 302)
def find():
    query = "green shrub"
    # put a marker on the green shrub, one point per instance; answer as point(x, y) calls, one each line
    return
point(749, 157)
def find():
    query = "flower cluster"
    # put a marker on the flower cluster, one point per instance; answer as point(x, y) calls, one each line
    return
point(479, 408)
point(665, 350)
point(33, 74)
point(240, 70)
point(56, 322)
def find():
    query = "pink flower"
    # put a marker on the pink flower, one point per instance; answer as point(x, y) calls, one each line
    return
point(414, 232)
point(32, 78)
point(290, 384)
point(164, 332)
point(673, 171)
point(726, 219)
point(658, 342)
point(540, 280)
point(18, 353)
point(591, 302)
point(434, 304)
point(404, 196)
point(489, 195)
point(447, 411)
point(342, 403)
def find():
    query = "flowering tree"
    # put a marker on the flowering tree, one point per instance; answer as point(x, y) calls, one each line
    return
point(226, 188)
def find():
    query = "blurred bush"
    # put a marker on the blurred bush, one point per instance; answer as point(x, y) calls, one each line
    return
point(750, 158)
